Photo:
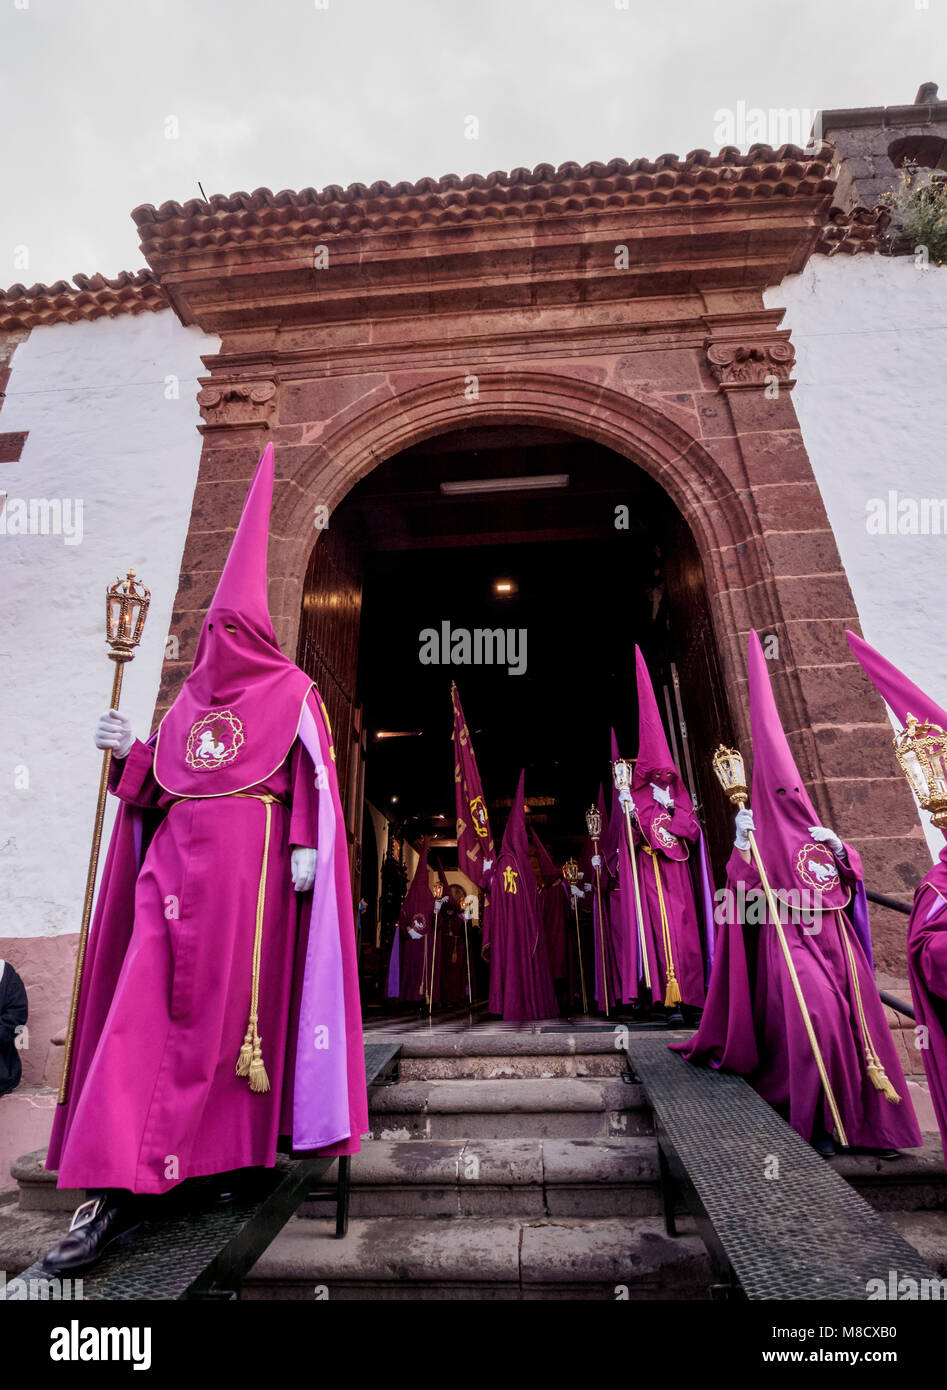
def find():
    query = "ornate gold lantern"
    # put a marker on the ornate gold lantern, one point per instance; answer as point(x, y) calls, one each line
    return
point(731, 774)
point(921, 749)
point(126, 607)
point(622, 769)
point(593, 822)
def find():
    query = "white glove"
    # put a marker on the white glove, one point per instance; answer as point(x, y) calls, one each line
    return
point(114, 730)
point(626, 799)
point(303, 862)
point(827, 837)
point(439, 903)
point(745, 824)
point(663, 797)
point(414, 935)
point(577, 892)
point(487, 865)
point(596, 861)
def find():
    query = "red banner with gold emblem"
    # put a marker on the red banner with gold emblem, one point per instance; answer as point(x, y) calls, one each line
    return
point(474, 840)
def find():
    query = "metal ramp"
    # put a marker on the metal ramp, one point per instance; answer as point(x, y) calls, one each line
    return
point(800, 1233)
point(206, 1249)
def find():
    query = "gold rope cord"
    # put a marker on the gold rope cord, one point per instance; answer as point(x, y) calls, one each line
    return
point(673, 994)
point(872, 1061)
point(250, 1056)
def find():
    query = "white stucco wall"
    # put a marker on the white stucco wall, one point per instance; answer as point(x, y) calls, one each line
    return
point(102, 429)
point(871, 358)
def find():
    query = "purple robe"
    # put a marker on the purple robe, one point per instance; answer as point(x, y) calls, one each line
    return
point(752, 1023)
point(521, 984)
point(927, 971)
point(154, 1097)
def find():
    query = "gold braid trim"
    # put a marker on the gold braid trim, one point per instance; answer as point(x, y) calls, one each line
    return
point(872, 1061)
point(673, 993)
point(250, 1056)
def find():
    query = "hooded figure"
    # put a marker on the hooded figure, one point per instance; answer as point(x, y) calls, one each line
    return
point(752, 1022)
point(513, 938)
point(602, 890)
point(674, 873)
point(13, 1014)
point(409, 969)
point(927, 926)
point(220, 1004)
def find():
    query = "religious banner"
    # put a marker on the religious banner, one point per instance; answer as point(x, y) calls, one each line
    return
point(474, 840)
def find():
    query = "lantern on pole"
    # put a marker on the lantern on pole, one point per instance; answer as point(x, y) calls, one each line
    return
point(126, 607)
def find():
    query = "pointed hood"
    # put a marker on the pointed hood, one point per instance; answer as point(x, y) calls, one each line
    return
point(782, 809)
point(238, 712)
point(419, 900)
point(548, 871)
point(514, 836)
point(654, 759)
point(902, 694)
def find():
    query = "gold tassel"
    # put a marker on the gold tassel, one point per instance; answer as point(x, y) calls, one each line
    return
point(259, 1081)
point(245, 1055)
point(877, 1073)
point(673, 995)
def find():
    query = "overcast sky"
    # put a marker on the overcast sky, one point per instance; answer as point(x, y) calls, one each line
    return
point(298, 93)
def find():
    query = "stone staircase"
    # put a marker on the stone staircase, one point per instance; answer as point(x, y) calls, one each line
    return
point(503, 1165)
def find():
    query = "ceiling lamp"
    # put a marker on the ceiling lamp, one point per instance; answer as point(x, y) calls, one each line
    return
point(524, 484)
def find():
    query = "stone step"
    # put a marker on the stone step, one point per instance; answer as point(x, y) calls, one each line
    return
point(478, 1258)
point(916, 1182)
point(565, 1108)
point(504, 1177)
point(511, 1068)
point(484, 1043)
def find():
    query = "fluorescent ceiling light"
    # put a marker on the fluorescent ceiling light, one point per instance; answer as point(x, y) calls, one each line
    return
point(530, 484)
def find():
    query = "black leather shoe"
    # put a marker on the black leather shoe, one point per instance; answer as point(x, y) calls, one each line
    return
point(825, 1145)
point(96, 1226)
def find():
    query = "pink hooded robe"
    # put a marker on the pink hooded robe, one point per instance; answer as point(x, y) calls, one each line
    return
point(752, 1022)
point(927, 926)
point(521, 984)
point(412, 957)
point(241, 770)
point(672, 842)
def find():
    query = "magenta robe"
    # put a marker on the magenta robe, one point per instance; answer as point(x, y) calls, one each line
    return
point(927, 970)
point(752, 1023)
point(156, 1099)
point(675, 864)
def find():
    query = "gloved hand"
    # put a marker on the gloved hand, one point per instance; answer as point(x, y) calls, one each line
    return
point(487, 865)
point(596, 861)
point(827, 837)
point(114, 730)
point(744, 821)
point(439, 903)
point(414, 935)
point(626, 799)
point(577, 892)
point(663, 797)
point(303, 863)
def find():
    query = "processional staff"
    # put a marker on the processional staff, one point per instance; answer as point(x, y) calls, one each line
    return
point(126, 607)
point(728, 766)
point(570, 872)
point(593, 822)
point(621, 770)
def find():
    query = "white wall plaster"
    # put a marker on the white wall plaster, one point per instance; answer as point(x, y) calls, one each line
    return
point(871, 341)
point(94, 398)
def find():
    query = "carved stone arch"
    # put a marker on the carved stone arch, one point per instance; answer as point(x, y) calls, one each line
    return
point(721, 515)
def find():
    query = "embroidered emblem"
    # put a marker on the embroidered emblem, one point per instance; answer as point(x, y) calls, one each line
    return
point(662, 834)
point(214, 741)
point(479, 812)
point(816, 867)
point(509, 879)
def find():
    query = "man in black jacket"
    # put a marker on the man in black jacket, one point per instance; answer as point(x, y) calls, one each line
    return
point(13, 1013)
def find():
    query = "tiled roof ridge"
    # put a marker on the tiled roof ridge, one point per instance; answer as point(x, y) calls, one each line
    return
point(728, 158)
point(87, 297)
